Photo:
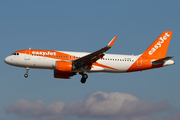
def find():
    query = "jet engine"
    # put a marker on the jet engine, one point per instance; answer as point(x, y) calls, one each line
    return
point(63, 69)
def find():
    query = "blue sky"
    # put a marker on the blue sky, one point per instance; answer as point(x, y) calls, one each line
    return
point(88, 26)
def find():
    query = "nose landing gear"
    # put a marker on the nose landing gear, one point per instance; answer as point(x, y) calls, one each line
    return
point(26, 74)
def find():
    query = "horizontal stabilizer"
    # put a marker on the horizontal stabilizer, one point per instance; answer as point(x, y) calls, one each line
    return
point(162, 60)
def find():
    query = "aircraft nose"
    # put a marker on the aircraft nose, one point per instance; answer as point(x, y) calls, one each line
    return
point(7, 60)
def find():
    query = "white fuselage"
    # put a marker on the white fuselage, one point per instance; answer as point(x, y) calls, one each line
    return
point(119, 63)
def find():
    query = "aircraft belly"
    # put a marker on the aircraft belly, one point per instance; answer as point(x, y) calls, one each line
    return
point(35, 62)
point(44, 63)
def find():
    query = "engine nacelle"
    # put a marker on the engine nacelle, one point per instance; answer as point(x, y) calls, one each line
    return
point(63, 69)
point(64, 66)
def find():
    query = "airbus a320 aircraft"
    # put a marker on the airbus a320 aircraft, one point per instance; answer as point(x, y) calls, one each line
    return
point(67, 64)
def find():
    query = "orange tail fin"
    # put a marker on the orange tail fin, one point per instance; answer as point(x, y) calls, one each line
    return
point(160, 46)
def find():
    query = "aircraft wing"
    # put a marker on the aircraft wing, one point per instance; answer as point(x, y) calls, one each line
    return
point(87, 61)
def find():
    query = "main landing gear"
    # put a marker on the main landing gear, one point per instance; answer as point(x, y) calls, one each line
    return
point(84, 77)
point(26, 74)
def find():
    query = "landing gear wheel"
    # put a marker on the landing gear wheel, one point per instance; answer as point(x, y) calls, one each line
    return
point(84, 77)
point(25, 75)
point(83, 80)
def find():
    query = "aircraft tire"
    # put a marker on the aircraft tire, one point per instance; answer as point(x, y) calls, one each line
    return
point(84, 77)
point(25, 75)
point(83, 80)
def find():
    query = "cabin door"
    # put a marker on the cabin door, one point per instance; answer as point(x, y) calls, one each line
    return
point(27, 55)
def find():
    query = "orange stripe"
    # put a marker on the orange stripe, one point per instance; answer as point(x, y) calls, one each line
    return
point(146, 64)
point(101, 65)
point(48, 54)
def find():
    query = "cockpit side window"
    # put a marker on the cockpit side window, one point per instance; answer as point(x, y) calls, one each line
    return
point(15, 54)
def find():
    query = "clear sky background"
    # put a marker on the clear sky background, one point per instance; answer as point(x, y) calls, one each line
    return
point(87, 26)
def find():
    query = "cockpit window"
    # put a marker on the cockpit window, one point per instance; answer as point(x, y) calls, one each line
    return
point(15, 54)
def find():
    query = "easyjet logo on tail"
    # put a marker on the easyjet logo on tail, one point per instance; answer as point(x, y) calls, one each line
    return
point(159, 43)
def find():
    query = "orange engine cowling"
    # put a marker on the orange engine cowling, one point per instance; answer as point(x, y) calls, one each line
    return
point(63, 69)
point(64, 66)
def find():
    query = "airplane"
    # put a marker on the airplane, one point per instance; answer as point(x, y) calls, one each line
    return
point(67, 64)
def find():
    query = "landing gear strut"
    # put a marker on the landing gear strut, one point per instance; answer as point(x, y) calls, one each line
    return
point(84, 77)
point(26, 74)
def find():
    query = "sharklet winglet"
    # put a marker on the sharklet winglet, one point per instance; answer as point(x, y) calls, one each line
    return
point(112, 42)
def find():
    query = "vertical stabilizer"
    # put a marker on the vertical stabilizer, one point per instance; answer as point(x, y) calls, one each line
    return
point(160, 46)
